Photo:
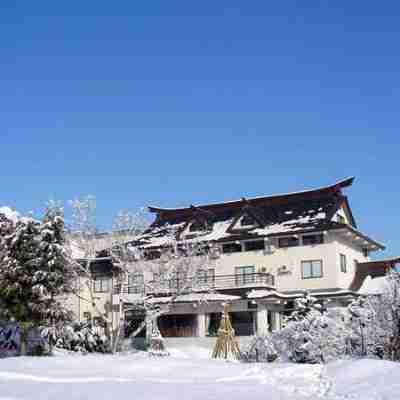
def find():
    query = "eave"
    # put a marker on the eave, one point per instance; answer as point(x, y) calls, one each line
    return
point(348, 232)
point(273, 199)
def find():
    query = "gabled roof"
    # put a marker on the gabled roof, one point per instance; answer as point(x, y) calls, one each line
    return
point(263, 200)
point(271, 209)
point(283, 214)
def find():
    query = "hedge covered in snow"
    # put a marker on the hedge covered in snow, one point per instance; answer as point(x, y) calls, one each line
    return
point(78, 337)
point(368, 327)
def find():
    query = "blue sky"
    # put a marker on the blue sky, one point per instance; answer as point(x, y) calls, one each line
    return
point(179, 102)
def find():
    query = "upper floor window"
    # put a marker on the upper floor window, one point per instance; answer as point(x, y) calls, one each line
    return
point(254, 245)
point(311, 269)
point(178, 280)
point(244, 275)
point(343, 263)
point(160, 279)
point(247, 220)
point(288, 241)
point(313, 239)
point(87, 315)
point(101, 284)
point(341, 219)
point(135, 282)
point(152, 254)
point(233, 247)
point(206, 276)
point(197, 226)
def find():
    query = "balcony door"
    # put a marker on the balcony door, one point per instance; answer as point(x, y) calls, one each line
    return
point(244, 275)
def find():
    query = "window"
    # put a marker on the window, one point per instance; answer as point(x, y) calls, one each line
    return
point(178, 280)
point(152, 254)
point(365, 252)
point(98, 321)
point(244, 275)
point(233, 247)
point(87, 316)
point(206, 277)
point(288, 241)
point(254, 245)
point(341, 219)
point(135, 282)
point(160, 280)
point(355, 265)
point(197, 226)
point(211, 276)
point(343, 263)
point(101, 284)
point(311, 269)
point(313, 239)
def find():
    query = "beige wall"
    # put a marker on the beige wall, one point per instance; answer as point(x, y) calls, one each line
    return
point(352, 253)
point(81, 304)
point(291, 257)
point(274, 258)
point(269, 260)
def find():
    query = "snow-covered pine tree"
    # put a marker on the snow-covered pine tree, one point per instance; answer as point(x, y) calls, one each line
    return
point(34, 271)
point(17, 268)
point(303, 306)
point(56, 270)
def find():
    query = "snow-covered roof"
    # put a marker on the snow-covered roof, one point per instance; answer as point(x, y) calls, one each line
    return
point(199, 297)
point(265, 293)
point(79, 248)
point(286, 214)
point(304, 218)
point(77, 251)
point(262, 293)
point(336, 186)
point(183, 298)
point(373, 286)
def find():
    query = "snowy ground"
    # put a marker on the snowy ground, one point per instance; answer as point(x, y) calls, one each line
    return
point(191, 375)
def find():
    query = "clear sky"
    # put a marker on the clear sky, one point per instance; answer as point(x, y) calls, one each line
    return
point(178, 102)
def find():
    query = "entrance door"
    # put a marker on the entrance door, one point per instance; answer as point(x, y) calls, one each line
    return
point(183, 325)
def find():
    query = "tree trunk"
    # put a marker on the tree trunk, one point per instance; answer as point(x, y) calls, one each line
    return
point(24, 330)
point(156, 344)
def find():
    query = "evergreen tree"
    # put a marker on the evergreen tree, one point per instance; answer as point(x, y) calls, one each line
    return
point(56, 273)
point(35, 270)
point(20, 296)
point(303, 307)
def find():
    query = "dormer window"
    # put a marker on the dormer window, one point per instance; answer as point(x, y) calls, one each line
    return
point(247, 220)
point(197, 226)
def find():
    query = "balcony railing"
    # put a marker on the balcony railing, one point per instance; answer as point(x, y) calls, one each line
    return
point(217, 282)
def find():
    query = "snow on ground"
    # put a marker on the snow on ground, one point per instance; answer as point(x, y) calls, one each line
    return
point(192, 376)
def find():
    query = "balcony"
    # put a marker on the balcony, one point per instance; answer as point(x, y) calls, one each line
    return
point(235, 283)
